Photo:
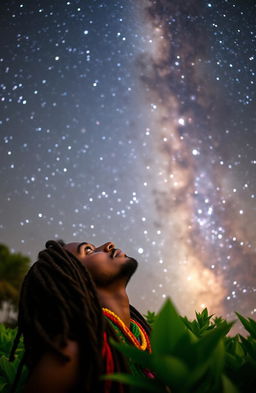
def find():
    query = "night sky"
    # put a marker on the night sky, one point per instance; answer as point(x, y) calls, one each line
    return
point(134, 122)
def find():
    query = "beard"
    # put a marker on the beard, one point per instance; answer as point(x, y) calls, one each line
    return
point(127, 270)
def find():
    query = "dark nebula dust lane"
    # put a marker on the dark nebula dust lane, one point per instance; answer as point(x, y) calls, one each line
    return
point(134, 122)
point(205, 190)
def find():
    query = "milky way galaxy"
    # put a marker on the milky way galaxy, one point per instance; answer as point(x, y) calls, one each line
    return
point(134, 122)
point(207, 239)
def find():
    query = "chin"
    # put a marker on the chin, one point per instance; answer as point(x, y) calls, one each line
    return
point(128, 268)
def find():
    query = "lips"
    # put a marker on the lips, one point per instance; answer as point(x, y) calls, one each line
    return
point(118, 253)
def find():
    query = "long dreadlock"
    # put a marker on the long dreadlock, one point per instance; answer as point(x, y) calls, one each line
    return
point(58, 299)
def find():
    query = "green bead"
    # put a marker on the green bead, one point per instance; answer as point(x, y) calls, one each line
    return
point(134, 369)
point(135, 330)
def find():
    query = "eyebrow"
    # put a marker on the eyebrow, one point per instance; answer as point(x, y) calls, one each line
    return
point(81, 244)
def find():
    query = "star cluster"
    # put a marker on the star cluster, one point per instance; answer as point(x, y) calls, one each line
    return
point(134, 122)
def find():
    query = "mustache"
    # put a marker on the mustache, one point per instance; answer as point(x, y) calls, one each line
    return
point(113, 252)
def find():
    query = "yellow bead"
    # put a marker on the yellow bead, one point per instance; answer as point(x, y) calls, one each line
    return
point(143, 344)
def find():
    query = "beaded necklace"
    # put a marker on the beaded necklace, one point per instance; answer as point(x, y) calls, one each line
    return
point(135, 335)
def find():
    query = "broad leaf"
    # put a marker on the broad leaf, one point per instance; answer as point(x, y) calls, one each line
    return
point(250, 325)
point(8, 369)
point(170, 370)
point(217, 362)
point(167, 330)
point(139, 357)
point(147, 384)
point(228, 386)
point(204, 348)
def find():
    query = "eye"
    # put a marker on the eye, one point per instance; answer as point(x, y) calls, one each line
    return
point(88, 247)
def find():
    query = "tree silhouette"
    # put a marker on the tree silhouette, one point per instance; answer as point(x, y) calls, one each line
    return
point(13, 267)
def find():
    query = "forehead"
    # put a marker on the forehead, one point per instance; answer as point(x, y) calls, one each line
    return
point(74, 247)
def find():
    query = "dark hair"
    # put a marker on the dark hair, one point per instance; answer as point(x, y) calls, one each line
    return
point(58, 299)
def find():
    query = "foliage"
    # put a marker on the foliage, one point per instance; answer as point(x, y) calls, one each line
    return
point(187, 356)
point(193, 356)
point(13, 267)
point(150, 318)
point(8, 369)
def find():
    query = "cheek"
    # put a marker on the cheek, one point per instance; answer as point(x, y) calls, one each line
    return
point(98, 264)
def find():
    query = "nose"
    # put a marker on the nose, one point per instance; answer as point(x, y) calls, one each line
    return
point(107, 246)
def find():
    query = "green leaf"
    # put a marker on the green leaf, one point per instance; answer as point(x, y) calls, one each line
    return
point(218, 321)
point(203, 319)
point(167, 330)
point(217, 361)
point(204, 348)
point(250, 325)
point(170, 370)
point(3, 383)
point(193, 337)
point(228, 386)
point(249, 346)
point(23, 379)
point(184, 349)
point(206, 354)
point(239, 349)
point(195, 376)
point(232, 362)
point(8, 369)
point(6, 339)
point(150, 317)
point(147, 384)
point(140, 357)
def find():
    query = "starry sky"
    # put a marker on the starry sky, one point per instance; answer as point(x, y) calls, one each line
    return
point(134, 122)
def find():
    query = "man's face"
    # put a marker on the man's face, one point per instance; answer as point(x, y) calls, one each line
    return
point(106, 263)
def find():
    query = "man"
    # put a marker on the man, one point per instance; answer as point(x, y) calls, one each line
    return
point(111, 271)
point(72, 300)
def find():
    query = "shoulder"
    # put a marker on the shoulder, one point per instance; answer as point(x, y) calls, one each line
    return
point(70, 350)
point(52, 374)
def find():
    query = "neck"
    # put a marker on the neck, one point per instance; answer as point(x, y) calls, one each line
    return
point(117, 301)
